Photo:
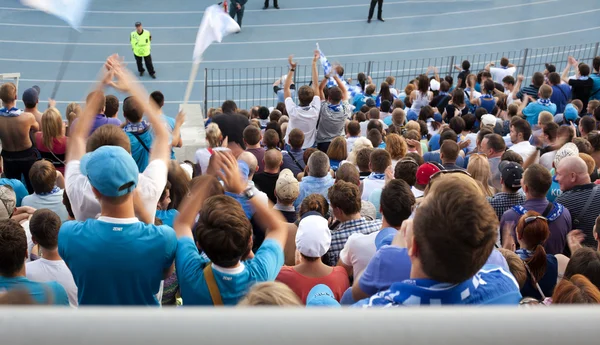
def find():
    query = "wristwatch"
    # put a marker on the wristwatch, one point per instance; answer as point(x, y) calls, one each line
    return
point(248, 193)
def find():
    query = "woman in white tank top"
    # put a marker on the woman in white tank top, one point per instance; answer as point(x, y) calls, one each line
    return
point(422, 96)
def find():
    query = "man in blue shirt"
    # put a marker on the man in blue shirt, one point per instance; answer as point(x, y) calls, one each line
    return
point(227, 268)
point(561, 93)
point(448, 247)
point(139, 133)
point(173, 125)
point(595, 76)
point(13, 252)
point(531, 109)
point(117, 259)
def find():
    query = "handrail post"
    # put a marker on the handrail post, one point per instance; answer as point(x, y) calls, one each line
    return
point(205, 92)
point(369, 68)
point(524, 62)
point(596, 49)
point(451, 65)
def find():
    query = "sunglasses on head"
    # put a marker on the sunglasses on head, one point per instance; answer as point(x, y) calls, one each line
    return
point(446, 172)
point(533, 218)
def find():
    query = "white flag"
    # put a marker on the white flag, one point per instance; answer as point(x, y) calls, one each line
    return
point(215, 25)
point(71, 11)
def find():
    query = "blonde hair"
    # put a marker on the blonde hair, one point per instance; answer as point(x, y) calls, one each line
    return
point(359, 144)
point(515, 265)
point(337, 149)
point(52, 127)
point(73, 111)
point(479, 168)
point(413, 125)
point(396, 146)
point(545, 117)
point(452, 178)
point(270, 294)
point(213, 135)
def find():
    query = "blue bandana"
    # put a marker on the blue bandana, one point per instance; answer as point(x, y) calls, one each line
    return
point(442, 93)
point(136, 127)
point(376, 176)
point(544, 102)
point(335, 107)
point(53, 191)
point(487, 96)
point(12, 112)
point(556, 211)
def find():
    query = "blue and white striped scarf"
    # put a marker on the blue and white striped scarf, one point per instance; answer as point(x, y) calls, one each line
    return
point(136, 127)
point(53, 191)
point(487, 96)
point(12, 112)
point(353, 90)
point(376, 176)
point(544, 101)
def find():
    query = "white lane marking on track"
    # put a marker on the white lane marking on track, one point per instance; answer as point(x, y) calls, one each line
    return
point(384, 72)
point(462, 28)
point(487, 9)
point(24, 9)
point(335, 56)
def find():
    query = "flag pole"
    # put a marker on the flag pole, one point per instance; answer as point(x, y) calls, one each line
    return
point(73, 35)
point(190, 85)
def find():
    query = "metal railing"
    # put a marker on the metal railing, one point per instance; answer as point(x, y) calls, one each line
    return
point(253, 86)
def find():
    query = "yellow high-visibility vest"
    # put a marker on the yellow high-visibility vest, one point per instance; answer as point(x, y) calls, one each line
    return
point(140, 44)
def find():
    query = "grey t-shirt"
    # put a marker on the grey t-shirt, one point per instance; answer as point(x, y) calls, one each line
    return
point(332, 121)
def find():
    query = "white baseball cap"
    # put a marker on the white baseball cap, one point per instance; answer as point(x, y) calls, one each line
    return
point(488, 120)
point(313, 237)
point(434, 85)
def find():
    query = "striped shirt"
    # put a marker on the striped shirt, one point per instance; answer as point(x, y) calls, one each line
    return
point(574, 200)
point(530, 90)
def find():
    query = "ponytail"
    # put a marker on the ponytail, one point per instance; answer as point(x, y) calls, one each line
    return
point(537, 263)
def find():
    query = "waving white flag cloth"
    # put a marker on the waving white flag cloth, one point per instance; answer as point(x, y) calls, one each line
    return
point(71, 11)
point(215, 25)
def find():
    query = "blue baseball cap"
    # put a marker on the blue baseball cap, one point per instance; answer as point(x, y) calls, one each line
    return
point(385, 237)
point(111, 170)
point(437, 117)
point(31, 95)
point(412, 115)
point(321, 296)
point(571, 113)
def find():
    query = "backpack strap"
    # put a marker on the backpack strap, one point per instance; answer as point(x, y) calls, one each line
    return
point(547, 210)
point(295, 161)
point(137, 136)
point(213, 288)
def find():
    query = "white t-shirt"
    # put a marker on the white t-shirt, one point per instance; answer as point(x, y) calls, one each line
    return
point(203, 158)
point(547, 159)
point(30, 243)
point(53, 202)
point(525, 149)
point(43, 271)
point(498, 73)
point(358, 251)
point(417, 193)
point(303, 118)
point(151, 184)
point(509, 97)
point(369, 186)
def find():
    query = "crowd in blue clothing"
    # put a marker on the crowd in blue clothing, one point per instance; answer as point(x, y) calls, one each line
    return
point(474, 191)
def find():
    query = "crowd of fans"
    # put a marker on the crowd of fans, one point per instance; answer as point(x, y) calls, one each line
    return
point(479, 191)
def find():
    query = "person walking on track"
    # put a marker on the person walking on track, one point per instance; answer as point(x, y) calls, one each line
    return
point(140, 44)
point(274, 4)
point(379, 10)
point(236, 7)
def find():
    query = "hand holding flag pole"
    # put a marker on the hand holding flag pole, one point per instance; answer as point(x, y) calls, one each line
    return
point(215, 25)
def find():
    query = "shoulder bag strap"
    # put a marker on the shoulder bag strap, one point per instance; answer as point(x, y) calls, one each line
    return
point(213, 288)
point(137, 136)
point(586, 206)
point(534, 282)
point(295, 161)
point(547, 210)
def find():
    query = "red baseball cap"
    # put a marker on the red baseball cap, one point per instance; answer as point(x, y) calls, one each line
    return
point(425, 171)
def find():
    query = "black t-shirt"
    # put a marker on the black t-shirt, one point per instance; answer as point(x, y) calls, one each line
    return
point(451, 108)
point(581, 89)
point(232, 126)
point(265, 182)
point(463, 76)
point(290, 216)
point(440, 102)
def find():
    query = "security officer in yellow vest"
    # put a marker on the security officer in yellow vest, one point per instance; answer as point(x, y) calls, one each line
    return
point(140, 44)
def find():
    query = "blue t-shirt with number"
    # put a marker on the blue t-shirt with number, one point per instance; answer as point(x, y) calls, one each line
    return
point(233, 283)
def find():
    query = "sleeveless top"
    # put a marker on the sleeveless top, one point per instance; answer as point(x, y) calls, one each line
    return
point(421, 101)
point(487, 103)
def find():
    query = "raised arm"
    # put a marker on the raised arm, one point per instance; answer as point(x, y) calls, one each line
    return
point(80, 132)
point(287, 92)
point(488, 66)
point(267, 218)
point(322, 87)
point(315, 73)
point(523, 105)
point(517, 88)
point(436, 74)
point(176, 135)
point(189, 209)
point(127, 82)
point(565, 75)
point(341, 86)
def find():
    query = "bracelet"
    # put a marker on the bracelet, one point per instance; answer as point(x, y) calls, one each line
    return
point(292, 69)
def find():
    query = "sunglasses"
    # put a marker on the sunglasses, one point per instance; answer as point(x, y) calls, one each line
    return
point(533, 218)
point(447, 172)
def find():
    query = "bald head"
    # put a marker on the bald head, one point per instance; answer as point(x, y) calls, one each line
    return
point(273, 159)
point(249, 159)
point(572, 172)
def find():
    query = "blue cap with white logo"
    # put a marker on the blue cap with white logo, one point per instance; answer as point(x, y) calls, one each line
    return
point(111, 170)
point(321, 296)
